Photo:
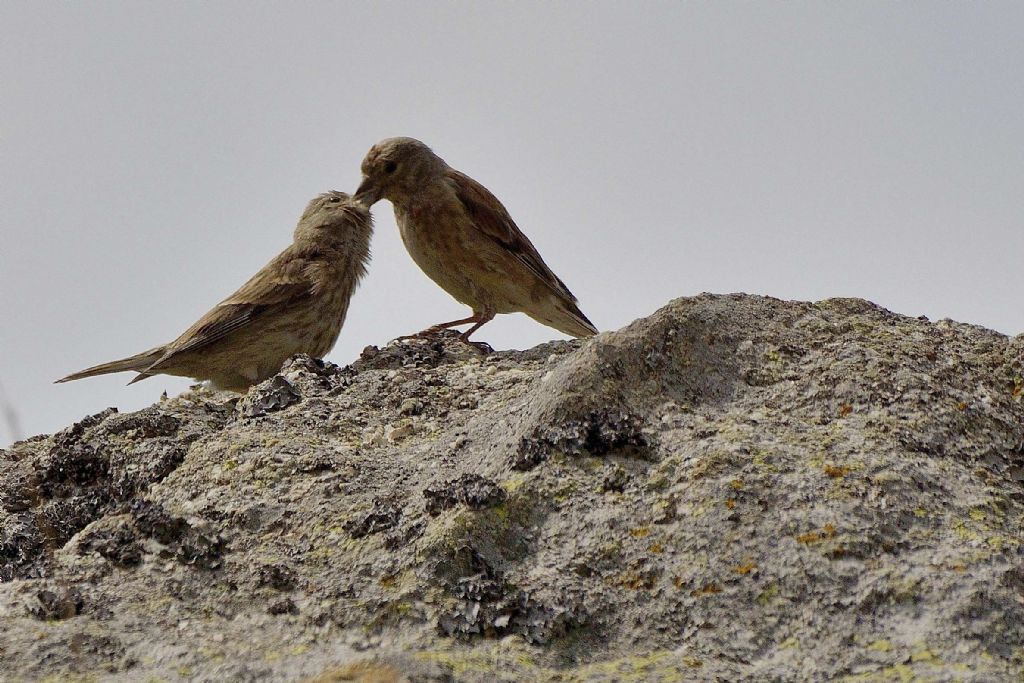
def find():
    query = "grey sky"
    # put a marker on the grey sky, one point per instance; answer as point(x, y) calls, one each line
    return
point(153, 156)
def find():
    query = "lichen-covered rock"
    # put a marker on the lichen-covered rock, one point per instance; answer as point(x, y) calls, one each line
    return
point(470, 490)
point(734, 488)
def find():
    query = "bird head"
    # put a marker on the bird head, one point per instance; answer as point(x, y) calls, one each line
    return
point(334, 214)
point(395, 168)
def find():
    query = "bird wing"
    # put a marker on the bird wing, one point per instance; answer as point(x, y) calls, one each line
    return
point(492, 219)
point(282, 282)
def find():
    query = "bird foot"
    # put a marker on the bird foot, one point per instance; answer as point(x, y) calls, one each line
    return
point(482, 347)
point(446, 333)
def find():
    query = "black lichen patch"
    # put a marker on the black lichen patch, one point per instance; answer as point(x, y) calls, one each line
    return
point(471, 490)
point(415, 353)
point(71, 464)
point(598, 433)
point(131, 474)
point(405, 534)
point(62, 518)
point(316, 367)
point(74, 432)
point(119, 545)
point(92, 469)
point(395, 356)
point(278, 576)
point(185, 544)
point(17, 493)
point(53, 497)
point(275, 394)
point(530, 454)
point(21, 545)
point(156, 451)
point(488, 606)
point(482, 608)
point(147, 424)
point(283, 606)
point(57, 604)
point(382, 516)
point(153, 521)
point(314, 376)
point(459, 562)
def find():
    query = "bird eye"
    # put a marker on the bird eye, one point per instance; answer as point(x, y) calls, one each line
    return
point(390, 167)
point(334, 200)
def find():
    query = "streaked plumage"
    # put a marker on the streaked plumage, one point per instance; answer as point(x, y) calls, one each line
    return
point(465, 241)
point(295, 304)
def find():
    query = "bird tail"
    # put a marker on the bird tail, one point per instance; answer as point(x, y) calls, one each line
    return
point(569, 319)
point(139, 362)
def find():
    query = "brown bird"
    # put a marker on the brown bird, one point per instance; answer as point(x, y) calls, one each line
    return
point(465, 241)
point(295, 304)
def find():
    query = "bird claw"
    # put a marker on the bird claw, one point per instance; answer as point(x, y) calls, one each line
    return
point(482, 347)
point(435, 333)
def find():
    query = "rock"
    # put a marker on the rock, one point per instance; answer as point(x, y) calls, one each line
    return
point(382, 516)
point(471, 490)
point(411, 406)
point(55, 605)
point(273, 394)
point(733, 488)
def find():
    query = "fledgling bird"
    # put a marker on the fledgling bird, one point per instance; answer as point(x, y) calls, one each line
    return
point(462, 237)
point(294, 304)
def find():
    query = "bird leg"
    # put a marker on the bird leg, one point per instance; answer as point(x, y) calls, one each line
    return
point(433, 330)
point(482, 319)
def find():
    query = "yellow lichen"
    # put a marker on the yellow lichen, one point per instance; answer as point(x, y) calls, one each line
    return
point(768, 594)
point(811, 537)
point(748, 566)
point(836, 472)
point(710, 588)
point(922, 655)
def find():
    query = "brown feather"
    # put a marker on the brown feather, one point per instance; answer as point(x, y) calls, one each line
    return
point(284, 282)
point(295, 304)
point(462, 237)
point(492, 219)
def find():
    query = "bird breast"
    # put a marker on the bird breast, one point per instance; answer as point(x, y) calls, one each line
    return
point(439, 241)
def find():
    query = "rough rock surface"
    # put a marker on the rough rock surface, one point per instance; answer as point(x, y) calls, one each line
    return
point(734, 488)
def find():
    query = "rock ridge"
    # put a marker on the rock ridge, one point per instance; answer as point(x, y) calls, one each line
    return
point(733, 488)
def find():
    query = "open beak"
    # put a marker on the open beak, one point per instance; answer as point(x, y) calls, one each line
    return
point(368, 194)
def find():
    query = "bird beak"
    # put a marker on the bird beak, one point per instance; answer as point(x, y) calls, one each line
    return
point(367, 194)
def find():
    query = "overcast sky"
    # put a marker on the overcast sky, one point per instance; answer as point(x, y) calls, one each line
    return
point(154, 156)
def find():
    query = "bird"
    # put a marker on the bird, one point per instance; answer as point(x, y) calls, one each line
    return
point(464, 239)
point(294, 304)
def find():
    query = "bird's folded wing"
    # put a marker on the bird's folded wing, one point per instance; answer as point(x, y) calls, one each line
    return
point(492, 219)
point(281, 283)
